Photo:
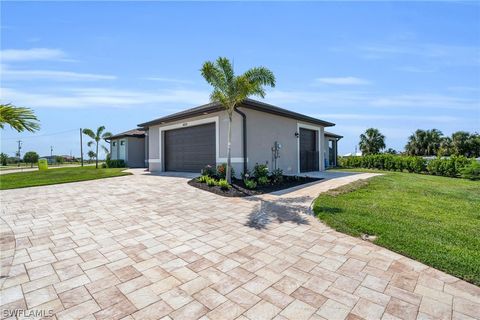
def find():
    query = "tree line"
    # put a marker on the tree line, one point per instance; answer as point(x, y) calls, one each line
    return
point(425, 143)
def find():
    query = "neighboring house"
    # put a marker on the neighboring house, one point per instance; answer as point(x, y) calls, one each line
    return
point(129, 146)
point(331, 149)
point(191, 139)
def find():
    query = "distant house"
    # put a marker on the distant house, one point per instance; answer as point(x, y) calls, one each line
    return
point(130, 147)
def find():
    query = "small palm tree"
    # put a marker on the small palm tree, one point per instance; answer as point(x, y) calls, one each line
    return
point(372, 141)
point(19, 118)
point(230, 90)
point(99, 135)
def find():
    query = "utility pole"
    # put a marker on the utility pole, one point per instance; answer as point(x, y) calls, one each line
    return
point(19, 148)
point(81, 147)
point(51, 152)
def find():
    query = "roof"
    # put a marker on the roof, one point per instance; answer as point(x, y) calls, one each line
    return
point(247, 103)
point(138, 133)
point(333, 135)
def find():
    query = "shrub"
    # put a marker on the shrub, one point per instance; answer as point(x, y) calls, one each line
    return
point(222, 171)
point(276, 176)
point(260, 170)
point(115, 163)
point(208, 171)
point(223, 184)
point(104, 165)
point(211, 182)
point(202, 179)
point(250, 184)
point(450, 167)
point(263, 181)
point(471, 171)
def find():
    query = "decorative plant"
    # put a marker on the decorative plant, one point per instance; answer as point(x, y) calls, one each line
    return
point(223, 184)
point(260, 170)
point(222, 170)
point(250, 184)
point(230, 90)
point(263, 181)
point(208, 170)
point(277, 176)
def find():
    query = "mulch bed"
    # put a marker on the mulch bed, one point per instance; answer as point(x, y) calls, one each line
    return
point(238, 187)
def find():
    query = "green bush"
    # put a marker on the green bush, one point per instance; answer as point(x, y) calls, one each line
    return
point(250, 184)
point(208, 170)
point(222, 171)
point(471, 171)
point(450, 167)
point(260, 170)
point(276, 176)
point(263, 181)
point(203, 179)
point(115, 163)
point(104, 165)
point(211, 182)
point(223, 184)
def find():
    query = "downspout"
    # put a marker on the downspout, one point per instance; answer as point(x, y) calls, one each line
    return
point(244, 140)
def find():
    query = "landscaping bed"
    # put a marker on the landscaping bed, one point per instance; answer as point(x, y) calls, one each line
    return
point(238, 188)
point(261, 180)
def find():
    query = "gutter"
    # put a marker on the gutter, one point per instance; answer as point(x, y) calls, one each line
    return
point(244, 140)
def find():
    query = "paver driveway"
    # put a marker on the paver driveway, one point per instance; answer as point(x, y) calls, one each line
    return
point(147, 247)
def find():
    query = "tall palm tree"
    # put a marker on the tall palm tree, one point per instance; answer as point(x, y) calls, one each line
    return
point(424, 142)
point(99, 135)
point(372, 141)
point(19, 118)
point(230, 90)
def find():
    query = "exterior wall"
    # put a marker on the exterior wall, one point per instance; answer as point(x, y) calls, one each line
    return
point(114, 149)
point(135, 152)
point(263, 129)
point(155, 133)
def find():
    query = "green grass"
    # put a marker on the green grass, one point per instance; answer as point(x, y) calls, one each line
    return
point(55, 176)
point(434, 220)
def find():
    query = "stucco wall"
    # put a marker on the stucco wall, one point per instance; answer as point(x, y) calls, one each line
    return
point(263, 129)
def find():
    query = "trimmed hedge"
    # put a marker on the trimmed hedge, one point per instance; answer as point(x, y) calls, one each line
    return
point(115, 163)
point(451, 167)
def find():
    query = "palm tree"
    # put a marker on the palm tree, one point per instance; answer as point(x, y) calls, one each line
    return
point(91, 154)
point(372, 141)
point(230, 90)
point(97, 137)
point(424, 142)
point(19, 118)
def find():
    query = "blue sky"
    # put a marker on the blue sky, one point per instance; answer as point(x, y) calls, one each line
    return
point(393, 66)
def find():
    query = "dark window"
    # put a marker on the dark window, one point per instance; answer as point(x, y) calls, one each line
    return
point(114, 143)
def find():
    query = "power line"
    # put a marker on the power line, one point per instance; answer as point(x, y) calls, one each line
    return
point(42, 135)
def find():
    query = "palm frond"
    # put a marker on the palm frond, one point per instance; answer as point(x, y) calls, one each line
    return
point(90, 143)
point(18, 118)
point(89, 133)
point(261, 75)
point(105, 149)
point(99, 132)
point(213, 75)
point(106, 135)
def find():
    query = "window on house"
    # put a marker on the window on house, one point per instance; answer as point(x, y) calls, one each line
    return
point(114, 143)
point(122, 143)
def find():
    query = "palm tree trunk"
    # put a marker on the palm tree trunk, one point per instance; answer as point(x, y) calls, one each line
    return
point(228, 174)
point(96, 158)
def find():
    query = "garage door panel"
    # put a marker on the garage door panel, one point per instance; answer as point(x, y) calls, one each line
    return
point(190, 149)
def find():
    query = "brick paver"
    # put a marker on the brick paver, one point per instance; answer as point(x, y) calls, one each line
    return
point(148, 247)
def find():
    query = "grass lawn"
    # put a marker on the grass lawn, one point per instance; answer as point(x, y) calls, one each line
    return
point(434, 220)
point(54, 176)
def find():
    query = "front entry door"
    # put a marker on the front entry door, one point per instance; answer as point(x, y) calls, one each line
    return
point(308, 150)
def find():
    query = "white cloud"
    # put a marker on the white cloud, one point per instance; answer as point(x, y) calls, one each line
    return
point(170, 80)
point(341, 81)
point(364, 116)
point(100, 97)
point(9, 74)
point(363, 99)
point(31, 54)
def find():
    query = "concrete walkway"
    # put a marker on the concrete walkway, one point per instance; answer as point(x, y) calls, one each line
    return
point(152, 247)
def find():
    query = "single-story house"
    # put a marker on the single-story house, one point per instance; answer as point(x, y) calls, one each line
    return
point(129, 146)
point(261, 133)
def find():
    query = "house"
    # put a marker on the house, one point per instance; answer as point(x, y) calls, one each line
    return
point(261, 133)
point(129, 146)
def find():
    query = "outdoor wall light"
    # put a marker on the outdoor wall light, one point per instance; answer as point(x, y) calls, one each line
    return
point(297, 135)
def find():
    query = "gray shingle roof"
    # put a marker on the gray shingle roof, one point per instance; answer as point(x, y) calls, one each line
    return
point(248, 103)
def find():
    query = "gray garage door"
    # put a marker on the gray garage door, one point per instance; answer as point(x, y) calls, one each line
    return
point(190, 149)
